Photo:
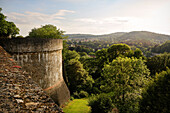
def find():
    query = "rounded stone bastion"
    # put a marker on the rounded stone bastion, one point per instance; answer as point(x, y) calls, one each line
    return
point(42, 59)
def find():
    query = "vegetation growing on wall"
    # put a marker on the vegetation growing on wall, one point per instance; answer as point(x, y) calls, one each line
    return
point(46, 31)
point(7, 29)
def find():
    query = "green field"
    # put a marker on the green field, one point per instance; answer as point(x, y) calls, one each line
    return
point(77, 106)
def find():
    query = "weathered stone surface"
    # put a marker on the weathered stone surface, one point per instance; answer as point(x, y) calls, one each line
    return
point(42, 58)
point(19, 93)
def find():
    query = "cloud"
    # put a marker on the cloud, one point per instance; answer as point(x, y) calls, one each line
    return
point(72, 0)
point(28, 20)
point(36, 17)
point(108, 20)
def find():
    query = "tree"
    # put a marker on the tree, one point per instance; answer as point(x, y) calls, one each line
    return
point(101, 103)
point(7, 29)
point(78, 77)
point(116, 50)
point(125, 77)
point(158, 63)
point(165, 47)
point(47, 31)
point(138, 53)
point(72, 55)
point(156, 97)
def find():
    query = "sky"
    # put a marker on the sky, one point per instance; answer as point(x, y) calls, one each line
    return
point(89, 16)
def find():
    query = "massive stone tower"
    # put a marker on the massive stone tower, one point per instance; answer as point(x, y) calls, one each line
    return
point(42, 58)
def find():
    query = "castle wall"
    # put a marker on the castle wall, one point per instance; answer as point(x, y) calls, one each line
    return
point(42, 58)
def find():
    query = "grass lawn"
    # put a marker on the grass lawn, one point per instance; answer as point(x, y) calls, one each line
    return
point(77, 106)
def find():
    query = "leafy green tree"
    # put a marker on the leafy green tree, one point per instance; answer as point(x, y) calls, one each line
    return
point(117, 50)
point(82, 54)
point(78, 77)
point(101, 59)
point(156, 97)
point(101, 103)
point(92, 54)
point(72, 55)
point(47, 31)
point(7, 29)
point(125, 77)
point(158, 63)
point(165, 47)
point(138, 53)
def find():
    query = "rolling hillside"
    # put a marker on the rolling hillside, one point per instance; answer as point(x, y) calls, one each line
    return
point(122, 36)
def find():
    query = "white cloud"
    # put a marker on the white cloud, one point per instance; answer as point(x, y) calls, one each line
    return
point(108, 20)
point(72, 0)
point(28, 20)
point(32, 17)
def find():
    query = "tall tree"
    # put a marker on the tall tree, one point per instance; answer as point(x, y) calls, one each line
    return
point(78, 77)
point(158, 63)
point(7, 29)
point(117, 50)
point(125, 77)
point(156, 97)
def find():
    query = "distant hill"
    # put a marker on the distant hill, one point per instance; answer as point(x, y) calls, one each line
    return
point(112, 35)
point(122, 36)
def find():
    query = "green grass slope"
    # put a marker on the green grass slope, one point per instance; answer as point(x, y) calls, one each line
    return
point(77, 106)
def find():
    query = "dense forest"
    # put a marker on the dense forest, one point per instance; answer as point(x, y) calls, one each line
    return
point(145, 41)
point(119, 72)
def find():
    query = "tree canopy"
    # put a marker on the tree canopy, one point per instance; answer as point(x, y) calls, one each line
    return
point(7, 29)
point(165, 47)
point(124, 77)
point(46, 31)
point(156, 98)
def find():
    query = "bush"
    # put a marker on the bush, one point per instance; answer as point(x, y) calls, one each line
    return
point(83, 94)
point(101, 103)
point(47, 31)
point(76, 95)
point(156, 98)
point(71, 98)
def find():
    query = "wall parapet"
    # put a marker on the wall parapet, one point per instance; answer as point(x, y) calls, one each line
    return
point(26, 45)
point(42, 58)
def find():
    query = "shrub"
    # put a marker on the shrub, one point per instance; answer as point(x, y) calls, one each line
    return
point(76, 95)
point(47, 31)
point(101, 103)
point(156, 98)
point(83, 94)
point(71, 98)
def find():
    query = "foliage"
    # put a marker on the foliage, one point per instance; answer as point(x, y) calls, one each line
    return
point(83, 94)
point(77, 76)
point(101, 103)
point(92, 54)
point(82, 54)
point(77, 106)
point(20, 36)
point(158, 63)
point(7, 29)
point(165, 47)
point(46, 31)
point(81, 48)
point(156, 98)
point(116, 50)
point(138, 53)
point(125, 77)
point(72, 55)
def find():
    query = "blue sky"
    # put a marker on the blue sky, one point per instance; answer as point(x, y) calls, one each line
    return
point(90, 16)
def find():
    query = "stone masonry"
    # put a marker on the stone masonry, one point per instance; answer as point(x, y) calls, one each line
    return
point(18, 92)
point(42, 58)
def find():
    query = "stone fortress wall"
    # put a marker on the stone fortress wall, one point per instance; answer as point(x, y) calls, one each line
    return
point(42, 58)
